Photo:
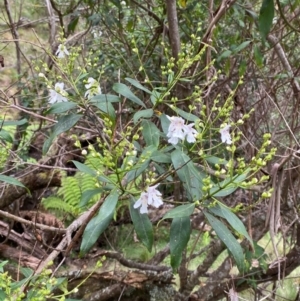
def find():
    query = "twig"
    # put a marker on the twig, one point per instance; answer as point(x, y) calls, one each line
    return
point(130, 263)
point(33, 224)
point(15, 35)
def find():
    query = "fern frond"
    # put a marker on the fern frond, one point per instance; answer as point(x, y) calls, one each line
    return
point(56, 203)
point(70, 191)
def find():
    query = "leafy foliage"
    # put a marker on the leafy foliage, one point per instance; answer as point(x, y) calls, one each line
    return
point(148, 99)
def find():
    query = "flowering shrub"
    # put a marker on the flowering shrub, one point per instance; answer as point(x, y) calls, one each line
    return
point(150, 143)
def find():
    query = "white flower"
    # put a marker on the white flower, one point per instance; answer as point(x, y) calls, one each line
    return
point(225, 134)
point(97, 33)
point(178, 130)
point(61, 51)
point(57, 94)
point(149, 197)
point(175, 130)
point(93, 88)
point(190, 133)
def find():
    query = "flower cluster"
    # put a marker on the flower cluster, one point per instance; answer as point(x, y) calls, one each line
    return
point(93, 88)
point(57, 95)
point(179, 131)
point(149, 197)
point(62, 51)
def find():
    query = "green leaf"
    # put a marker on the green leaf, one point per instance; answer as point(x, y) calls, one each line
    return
point(243, 67)
point(27, 272)
point(190, 176)
point(179, 238)
point(215, 160)
point(103, 98)
point(151, 133)
point(125, 91)
point(61, 107)
point(160, 157)
point(228, 186)
point(11, 181)
point(224, 212)
point(241, 47)
point(84, 168)
point(142, 226)
point(3, 296)
point(259, 59)
point(165, 122)
point(63, 124)
point(185, 115)
point(137, 85)
point(13, 122)
point(136, 172)
point(2, 264)
point(107, 108)
point(224, 55)
point(73, 22)
point(228, 239)
point(265, 18)
point(99, 223)
point(148, 113)
point(5, 135)
point(180, 211)
point(89, 194)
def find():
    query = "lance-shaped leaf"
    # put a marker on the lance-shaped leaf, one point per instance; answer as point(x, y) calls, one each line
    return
point(12, 181)
point(5, 135)
point(180, 211)
point(103, 98)
point(13, 122)
point(265, 18)
point(221, 210)
point(151, 133)
point(161, 157)
point(125, 91)
point(84, 168)
point(64, 124)
point(179, 237)
point(107, 108)
point(190, 176)
point(148, 113)
point(61, 107)
point(228, 239)
point(228, 186)
point(142, 226)
point(137, 85)
point(185, 115)
point(99, 223)
point(88, 195)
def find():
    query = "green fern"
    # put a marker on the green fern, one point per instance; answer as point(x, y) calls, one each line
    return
point(59, 207)
point(70, 191)
point(69, 194)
